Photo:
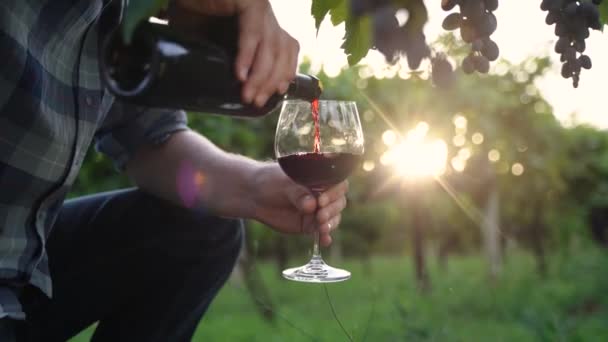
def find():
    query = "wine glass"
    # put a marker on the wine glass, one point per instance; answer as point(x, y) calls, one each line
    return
point(318, 145)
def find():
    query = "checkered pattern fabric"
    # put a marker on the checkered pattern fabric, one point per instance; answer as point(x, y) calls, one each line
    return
point(52, 107)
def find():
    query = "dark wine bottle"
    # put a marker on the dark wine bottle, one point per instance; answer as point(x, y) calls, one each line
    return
point(170, 68)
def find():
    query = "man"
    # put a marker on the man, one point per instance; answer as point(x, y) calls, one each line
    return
point(145, 263)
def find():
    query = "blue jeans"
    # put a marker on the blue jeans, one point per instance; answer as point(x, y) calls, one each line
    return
point(144, 269)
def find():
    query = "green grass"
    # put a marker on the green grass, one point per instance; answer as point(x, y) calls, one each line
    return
point(381, 303)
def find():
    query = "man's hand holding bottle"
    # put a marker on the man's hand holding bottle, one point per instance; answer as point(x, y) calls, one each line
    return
point(267, 55)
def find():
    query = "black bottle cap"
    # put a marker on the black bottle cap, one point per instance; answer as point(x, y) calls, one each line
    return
point(305, 87)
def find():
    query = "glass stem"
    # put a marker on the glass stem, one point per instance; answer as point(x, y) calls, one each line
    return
point(315, 247)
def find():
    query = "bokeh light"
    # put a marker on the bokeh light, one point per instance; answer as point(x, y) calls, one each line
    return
point(369, 165)
point(464, 153)
point(477, 138)
point(459, 140)
point(517, 169)
point(459, 121)
point(458, 164)
point(494, 155)
point(389, 137)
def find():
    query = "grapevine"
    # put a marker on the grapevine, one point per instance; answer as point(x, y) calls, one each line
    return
point(476, 23)
point(389, 37)
point(572, 20)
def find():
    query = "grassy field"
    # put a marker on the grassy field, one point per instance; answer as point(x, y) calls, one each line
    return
point(381, 303)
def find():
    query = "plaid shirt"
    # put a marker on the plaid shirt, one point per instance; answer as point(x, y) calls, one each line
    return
point(52, 107)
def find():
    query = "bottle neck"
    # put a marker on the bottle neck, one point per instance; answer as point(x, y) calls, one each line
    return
point(305, 87)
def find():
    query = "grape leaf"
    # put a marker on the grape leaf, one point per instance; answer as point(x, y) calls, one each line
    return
point(604, 12)
point(320, 8)
point(357, 40)
point(339, 13)
point(136, 11)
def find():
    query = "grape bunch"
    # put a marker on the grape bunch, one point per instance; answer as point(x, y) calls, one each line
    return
point(572, 19)
point(389, 37)
point(476, 23)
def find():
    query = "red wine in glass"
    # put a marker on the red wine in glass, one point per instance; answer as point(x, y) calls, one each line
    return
point(319, 171)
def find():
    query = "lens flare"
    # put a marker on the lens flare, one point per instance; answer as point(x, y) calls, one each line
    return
point(416, 157)
point(189, 182)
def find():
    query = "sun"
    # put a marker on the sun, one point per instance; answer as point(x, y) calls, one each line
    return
point(415, 156)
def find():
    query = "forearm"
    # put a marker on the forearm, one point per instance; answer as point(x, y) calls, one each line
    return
point(191, 171)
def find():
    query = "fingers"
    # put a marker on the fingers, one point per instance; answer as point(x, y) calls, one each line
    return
point(267, 57)
point(276, 81)
point(325, 240)
point(248, 45)
point(334, 193)
point(261, 71)
point(330, 225)
point(301, 198)
point(333, 209)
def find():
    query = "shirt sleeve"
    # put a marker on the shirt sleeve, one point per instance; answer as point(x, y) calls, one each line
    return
point(128, 127)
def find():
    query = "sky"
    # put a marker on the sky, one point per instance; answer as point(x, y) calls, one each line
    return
point(521, 33)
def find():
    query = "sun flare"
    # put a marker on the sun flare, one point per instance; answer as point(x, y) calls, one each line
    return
point(416, 156)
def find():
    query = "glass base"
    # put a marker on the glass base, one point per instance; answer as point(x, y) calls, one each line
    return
point(316, 271)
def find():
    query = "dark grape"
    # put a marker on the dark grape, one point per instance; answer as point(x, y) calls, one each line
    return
point(488, 25)
point(417, 49)
point(580, 45)
point(451, 22)
point(467, 65)
point(551, 5)
point(589, 11)
point(570, 9)
point(585, 61)
point(447, 5)
point(581, 33)
point(561, 30)
point(551, 18)
point(566, 70)
point(569, 53)
point(481, 64)
point(491, 5)
point(472, 9)
point(442, 72)
point(490, 50)
point(562, 44)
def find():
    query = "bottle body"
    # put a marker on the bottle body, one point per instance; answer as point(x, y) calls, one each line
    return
point(169, 69)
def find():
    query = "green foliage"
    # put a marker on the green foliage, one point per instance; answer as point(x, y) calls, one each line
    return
point(98, 175)
point(604, 12)
point(319, 9)
point(357, 40)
